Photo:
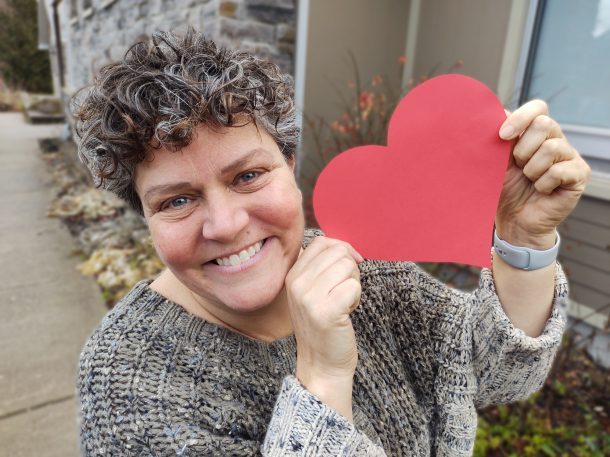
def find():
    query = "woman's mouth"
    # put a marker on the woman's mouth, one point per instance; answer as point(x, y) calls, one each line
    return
point(243, 256)
point(240, 260)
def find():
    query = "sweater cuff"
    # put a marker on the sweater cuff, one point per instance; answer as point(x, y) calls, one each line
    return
point(303, 425)
point(509, 364)
point(499, 323)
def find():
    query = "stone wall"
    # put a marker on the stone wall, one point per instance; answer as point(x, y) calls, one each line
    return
point(101, 31)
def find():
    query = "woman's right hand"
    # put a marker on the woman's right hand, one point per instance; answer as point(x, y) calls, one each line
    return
point(323, 288)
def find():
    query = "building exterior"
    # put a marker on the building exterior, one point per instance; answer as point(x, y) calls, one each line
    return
point(93, 33)
point(522, 49)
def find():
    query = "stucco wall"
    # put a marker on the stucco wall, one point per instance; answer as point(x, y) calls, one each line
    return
point(374, 31)
point(473, 31)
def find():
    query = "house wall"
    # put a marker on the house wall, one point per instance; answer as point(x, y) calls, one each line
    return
point(585, 256)
point(471, 31)
point(97, 33)
point(375, 32)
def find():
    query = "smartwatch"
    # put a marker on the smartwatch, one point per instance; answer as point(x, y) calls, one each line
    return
point(525, 258)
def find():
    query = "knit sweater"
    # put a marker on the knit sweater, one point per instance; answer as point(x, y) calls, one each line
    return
point(155, 380)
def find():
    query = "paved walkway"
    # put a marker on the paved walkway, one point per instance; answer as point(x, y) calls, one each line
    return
point(47, 309)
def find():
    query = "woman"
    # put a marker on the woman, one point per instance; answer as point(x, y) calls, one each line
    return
point(261, 337)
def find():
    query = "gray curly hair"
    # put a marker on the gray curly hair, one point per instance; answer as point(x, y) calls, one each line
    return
point(158, 94)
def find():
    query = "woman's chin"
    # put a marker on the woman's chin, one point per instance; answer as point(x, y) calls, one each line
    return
point(251, 303)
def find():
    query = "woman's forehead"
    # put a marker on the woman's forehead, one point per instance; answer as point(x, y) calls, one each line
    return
point(212, 152)
point(218, 146)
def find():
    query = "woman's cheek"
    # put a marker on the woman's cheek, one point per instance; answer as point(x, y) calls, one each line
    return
point(288, 204)
point(172, 246)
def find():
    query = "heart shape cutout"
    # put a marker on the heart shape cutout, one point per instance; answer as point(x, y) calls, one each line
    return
point(431, 195)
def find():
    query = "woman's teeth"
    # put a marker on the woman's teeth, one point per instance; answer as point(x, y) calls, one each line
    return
point(238, 259)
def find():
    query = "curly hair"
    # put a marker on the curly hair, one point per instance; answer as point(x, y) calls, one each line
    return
point(161, 91)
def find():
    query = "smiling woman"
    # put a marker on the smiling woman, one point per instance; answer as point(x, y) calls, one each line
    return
point(262, 337)
point(226, 192)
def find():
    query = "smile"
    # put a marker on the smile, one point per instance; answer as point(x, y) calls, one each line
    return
point(241, 257)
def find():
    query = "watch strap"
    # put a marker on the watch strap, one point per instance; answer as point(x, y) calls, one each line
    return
point(525, 258)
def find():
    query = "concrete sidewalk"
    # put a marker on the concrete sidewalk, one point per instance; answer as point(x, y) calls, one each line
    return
point(47, 308)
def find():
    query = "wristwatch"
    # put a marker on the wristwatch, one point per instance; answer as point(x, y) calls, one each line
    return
point(525, 258)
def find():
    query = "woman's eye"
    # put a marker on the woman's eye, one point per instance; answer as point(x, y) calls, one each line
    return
point(248, 176)
point(175, 203)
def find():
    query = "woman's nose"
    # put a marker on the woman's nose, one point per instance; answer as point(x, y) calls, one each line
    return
point(225, 218)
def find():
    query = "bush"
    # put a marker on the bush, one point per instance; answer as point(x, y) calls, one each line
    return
point(22, 65)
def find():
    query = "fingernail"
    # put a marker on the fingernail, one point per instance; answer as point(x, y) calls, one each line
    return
point(507, 131)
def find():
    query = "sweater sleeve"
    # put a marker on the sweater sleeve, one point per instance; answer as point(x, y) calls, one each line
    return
point(508, 364)
point(454, 342)
point(303, 425)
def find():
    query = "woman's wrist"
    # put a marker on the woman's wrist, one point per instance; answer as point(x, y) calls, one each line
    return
point(520, 238)
point(334, 391)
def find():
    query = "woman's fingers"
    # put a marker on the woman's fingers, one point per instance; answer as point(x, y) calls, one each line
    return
point(322, 264)
point(315, 280)
point(521, 118)
point(569, 174)
point(321, 244)
point(551, 151)
point(336, 276)
point(541, 129)
point(347, 294)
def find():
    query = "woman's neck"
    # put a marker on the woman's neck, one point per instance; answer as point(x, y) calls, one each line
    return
point(265, 324)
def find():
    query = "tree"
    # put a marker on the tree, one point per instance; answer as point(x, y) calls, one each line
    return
point(22, 65)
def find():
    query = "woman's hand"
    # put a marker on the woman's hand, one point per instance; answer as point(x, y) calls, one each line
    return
point(545, 178)
point(323, 288)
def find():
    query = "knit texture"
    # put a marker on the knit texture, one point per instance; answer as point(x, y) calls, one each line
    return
point(155, 380)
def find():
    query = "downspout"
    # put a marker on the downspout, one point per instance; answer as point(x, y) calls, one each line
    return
point(60, 52)
point(299, 70)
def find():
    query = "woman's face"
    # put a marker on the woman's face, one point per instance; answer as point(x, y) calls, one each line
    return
point(217, 200)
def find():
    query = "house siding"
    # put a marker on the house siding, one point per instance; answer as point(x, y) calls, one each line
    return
point(585, 255)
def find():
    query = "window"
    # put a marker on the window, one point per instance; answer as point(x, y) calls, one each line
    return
point(569, 67)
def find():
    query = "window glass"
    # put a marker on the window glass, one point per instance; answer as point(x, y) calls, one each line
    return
point(571, 70)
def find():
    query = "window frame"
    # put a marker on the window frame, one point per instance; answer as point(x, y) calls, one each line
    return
point(592, 142)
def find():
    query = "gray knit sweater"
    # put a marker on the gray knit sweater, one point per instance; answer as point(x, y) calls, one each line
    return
point(155, 380)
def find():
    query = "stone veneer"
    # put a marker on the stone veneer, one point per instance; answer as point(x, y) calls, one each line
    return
point(101, 33)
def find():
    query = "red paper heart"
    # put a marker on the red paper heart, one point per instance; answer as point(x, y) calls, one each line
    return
point(431, 195)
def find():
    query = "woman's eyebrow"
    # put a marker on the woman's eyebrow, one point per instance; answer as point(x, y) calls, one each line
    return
point(175, 187)
point(241, 161)
point(165, 188)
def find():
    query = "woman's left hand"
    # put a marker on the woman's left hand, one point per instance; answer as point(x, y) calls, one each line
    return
point(545, 178)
